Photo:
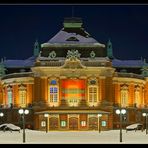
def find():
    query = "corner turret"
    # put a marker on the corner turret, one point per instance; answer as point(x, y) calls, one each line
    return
point(109, 50)
point(36, 48)
point(2, 68)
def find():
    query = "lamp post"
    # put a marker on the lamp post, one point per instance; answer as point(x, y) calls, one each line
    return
point(99, 125)
point(120, 112)
point(46, 116)
point(1, 115)
point(146, 120)
point(23, 112)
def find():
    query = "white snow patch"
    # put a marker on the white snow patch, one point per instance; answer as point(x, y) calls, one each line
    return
point(74, 137)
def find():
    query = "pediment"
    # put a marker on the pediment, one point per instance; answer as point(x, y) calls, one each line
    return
point(73, 63)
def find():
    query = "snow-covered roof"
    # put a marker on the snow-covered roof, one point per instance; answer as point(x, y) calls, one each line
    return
point(127, 63)
point(19, 63)
point(65, 37)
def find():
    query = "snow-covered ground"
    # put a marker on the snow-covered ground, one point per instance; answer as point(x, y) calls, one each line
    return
point(74, 137)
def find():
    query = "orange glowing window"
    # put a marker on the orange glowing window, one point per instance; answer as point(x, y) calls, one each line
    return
point(72, 88)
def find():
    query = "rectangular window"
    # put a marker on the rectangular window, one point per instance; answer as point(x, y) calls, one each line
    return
point(103, 123)
point(124, 97)
point(9, 97)
point(51, 89)
point(53, 93)
point(63, 123)
point(92, 94)
point(22, 96)
point(83, 123)
point(43, 123)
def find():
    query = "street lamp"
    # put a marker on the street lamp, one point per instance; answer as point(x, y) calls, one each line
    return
point(23, 112)
point(120, 112)
point(1, 114)
point(99, 125)
point(146, 120)
point(46, 116)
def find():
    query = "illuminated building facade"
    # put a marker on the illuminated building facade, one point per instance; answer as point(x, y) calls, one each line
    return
point(73, 78)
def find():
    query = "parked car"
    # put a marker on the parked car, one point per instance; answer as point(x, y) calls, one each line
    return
point(135, 126)
point(9, 127)
point(2, 126)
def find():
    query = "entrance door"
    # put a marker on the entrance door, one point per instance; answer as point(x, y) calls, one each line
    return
point(73, 123)
point(53, 123)
point(93, 123)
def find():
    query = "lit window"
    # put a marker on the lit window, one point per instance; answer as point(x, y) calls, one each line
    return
point(124, 96)
point(22, 95)
point(103, 123)
point(137, 95)
point(92, 94)
point(9, 93)
point(43, 123)
point(83, 123)
point(63, 123)
point(53, 94)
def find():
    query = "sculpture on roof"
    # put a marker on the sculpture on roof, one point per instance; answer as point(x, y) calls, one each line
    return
point(73, 54)
point(2, 68)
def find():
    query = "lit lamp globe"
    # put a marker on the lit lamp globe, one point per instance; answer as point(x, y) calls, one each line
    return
point(26, 111)
point(99, 115)
point(1, 114)
point(123, 111)
point(144, 114)
point(46, 115)
point(21, 111)
point(118, 111)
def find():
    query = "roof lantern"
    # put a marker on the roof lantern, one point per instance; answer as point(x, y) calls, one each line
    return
point(73, 22)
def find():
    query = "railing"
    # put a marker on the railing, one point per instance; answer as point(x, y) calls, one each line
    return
point(17, 75)
point(96, 63)
point(85, 63)
point(50, 63)
point(129, 75)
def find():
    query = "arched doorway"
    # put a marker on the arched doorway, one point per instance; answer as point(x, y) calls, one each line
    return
point(93, 123)
point(53, 123)
point(73, 123)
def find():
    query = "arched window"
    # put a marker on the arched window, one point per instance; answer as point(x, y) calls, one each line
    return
point(9, 94)
point(22, 95)
point(143, 92)
point(53, 92)
point(93, 92)
point(124, 95)
point(137, 95)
